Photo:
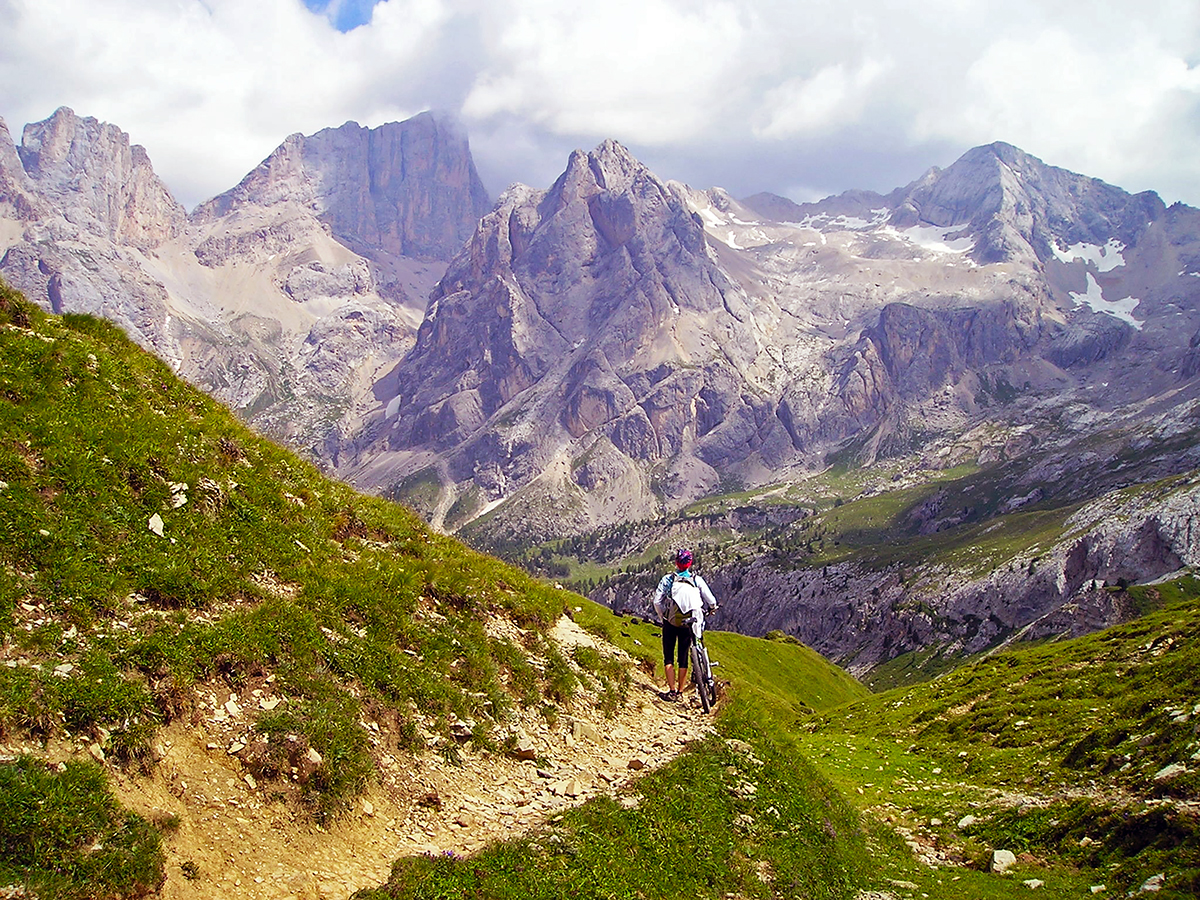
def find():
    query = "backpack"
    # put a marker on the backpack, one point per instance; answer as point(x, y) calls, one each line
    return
point(685, 599)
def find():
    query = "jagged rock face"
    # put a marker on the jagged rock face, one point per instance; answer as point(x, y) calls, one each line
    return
point(614, 329)
point(405, 188)
point(17, 194)
point(284, 297)
point(589, 312)
point(912, 352)
point(97, 179)
point(1017, 206)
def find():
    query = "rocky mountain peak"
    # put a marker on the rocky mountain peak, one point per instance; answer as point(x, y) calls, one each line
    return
point(586, 312)
point(16, 191)
point(101, 180)
point(404, 188)
point(615, 166)
point(1018, 207)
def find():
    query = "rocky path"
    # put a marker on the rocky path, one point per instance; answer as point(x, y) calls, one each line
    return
point(234, 841)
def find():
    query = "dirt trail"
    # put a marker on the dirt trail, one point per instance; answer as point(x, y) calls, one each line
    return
point(235, 842)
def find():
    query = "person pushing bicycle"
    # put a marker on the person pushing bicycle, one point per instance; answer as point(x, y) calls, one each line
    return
point(686, 595)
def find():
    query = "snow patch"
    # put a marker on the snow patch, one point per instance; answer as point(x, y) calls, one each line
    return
point(393, 407)
point(826, 222)
point(1105, 258)
point(710, 217)
point(1094, 299)
point(933, 238)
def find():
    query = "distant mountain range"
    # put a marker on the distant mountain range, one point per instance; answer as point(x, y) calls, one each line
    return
point(615, 347)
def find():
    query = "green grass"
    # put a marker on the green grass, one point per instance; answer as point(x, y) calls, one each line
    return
point(262, 566)
point(835, 770)
point(739, 814)
point(65, 837)
point(1082, 726)
point(360, 612)
point(420, 491)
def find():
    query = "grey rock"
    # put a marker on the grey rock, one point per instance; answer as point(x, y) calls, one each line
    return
point(97, 179)
point(405, 188)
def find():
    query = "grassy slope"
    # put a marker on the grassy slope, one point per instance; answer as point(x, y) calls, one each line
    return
point(1033, 743)
point(353, 604)
point(268, 567)
point(1058, 750)
point(263, 566)
point(741, 813)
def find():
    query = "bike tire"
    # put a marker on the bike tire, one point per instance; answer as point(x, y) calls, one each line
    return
point(702, 676)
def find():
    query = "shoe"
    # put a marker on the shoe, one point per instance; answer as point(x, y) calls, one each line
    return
point(674, 696)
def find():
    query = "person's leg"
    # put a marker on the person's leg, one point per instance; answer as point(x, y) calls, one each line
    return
point(668, 639)
point(685, 646)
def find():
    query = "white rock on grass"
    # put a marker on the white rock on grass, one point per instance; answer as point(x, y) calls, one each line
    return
point(1153, 884)
point(1002, 861)
point(1174, 770)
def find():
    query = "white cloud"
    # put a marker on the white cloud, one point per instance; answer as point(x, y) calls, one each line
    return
point(646, 68)
point(755, 94)
point(831, 97)
point(210, 88)
point(1104, 107)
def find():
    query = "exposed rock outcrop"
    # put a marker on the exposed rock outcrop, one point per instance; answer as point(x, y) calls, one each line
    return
point(283, 297)
point(590, 311)
point(684, 340)
point(861, 616)
point(403, 189)
point(94, 177)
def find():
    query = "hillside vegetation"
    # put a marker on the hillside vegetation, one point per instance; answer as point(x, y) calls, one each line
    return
point(1075, 757)
point(153, 552)
point(150, 544)
point(1082, 753)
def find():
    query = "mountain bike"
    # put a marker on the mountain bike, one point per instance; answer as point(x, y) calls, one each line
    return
point(702, 666)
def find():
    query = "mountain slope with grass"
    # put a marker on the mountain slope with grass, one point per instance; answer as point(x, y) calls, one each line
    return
point(1079, 756)
point(1066, 770)
point(223, 675)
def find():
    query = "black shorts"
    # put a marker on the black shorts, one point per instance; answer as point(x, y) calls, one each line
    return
point(672, 634)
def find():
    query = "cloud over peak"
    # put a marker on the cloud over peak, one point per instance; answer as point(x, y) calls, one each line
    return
point(753, 94)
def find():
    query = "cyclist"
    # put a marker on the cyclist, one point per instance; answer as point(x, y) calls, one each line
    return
point(680, 595)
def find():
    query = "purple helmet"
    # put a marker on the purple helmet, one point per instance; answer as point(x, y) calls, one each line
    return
point(683, 558)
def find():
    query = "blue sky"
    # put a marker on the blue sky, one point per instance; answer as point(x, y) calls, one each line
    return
point(346, 15)
point(801, 99)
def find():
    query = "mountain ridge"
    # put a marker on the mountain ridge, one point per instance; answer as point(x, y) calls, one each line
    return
point(265, 295)
point(615, 347)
